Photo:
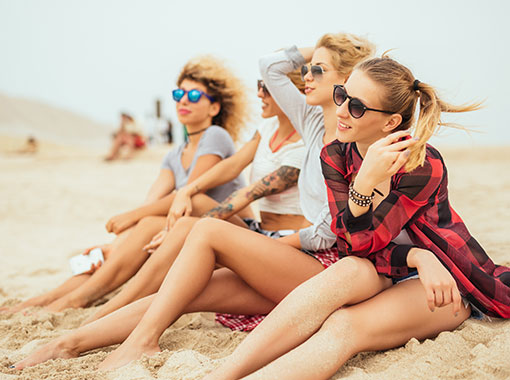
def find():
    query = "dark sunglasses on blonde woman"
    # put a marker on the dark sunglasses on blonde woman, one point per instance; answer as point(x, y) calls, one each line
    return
point(316, 70)
point(262, 86)
point(356, 107)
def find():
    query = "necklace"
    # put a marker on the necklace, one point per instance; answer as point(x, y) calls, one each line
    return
point(281, 142)
point(196, 132)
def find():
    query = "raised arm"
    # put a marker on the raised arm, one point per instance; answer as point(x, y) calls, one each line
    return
point(280, 180)
point(274, 68)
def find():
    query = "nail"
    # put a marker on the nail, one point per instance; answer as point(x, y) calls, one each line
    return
point(416, 138)
point(407, 153)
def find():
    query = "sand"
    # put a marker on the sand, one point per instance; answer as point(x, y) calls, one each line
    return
point(56, 202)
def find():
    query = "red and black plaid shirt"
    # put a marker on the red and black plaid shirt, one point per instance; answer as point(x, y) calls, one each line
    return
point(417, 202)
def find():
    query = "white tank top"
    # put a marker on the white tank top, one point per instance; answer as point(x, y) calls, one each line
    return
point(265, 162)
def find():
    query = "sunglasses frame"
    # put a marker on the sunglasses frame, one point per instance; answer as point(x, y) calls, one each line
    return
point(316, 70)
point(192, 100)
point(262, 85)
point(351, 99)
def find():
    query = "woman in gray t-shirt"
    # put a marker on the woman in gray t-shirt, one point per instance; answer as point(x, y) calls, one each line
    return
point(208, 96)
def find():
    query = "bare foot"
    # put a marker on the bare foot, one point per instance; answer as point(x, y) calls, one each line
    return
point(63, 303)
point(126, 353)
point(53, 350)
point(35, 301)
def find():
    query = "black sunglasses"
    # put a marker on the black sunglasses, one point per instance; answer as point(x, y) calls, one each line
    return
point(262, 86)
point(316, 71)
point(356, 107)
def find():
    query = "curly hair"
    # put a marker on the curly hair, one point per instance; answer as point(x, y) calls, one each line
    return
point(224, 87)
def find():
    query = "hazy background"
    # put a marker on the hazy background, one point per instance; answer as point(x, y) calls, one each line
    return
point(102, 56)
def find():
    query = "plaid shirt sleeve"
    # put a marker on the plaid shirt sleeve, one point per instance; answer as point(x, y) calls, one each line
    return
point(371, 234)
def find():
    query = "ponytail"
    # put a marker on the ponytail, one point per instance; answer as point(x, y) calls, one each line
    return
point(402, 92)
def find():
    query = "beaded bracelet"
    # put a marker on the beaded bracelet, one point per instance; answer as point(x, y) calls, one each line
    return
point(360, 199)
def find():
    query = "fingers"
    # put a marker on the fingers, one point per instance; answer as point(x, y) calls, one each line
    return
point(431, 299)
point(456, 300)
point(399, 162)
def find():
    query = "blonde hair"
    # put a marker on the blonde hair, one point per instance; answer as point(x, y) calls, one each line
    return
point(224, 87)
point(346, 50)
point(400, 95)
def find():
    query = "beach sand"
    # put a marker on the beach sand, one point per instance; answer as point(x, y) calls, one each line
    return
point(56, 202)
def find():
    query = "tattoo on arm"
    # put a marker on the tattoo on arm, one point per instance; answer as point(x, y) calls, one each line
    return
point(274, 183)
point(224, 209)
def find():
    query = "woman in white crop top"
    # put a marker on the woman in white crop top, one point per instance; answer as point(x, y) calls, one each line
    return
point(276, 153)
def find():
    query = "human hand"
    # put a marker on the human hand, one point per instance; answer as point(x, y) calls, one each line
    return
point(156, 241)
point(181, 206)
point(440, 286)
point(121, 222)
point(383, 159)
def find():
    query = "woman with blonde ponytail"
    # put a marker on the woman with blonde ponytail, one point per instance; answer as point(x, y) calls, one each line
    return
point(409, 267)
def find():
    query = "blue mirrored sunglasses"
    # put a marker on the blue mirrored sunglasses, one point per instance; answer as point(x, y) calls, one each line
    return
point(193, 95)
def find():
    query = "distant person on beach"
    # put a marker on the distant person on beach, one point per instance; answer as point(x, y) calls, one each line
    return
point(256, 271)
point(409, 267)
point(31, 146)
point(127, 139)
point(212, 105)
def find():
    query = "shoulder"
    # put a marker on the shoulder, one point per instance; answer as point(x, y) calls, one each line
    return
point(335, 150)
point(334, 155)
point(426, 179)
point(216, 134)
point(267, 126)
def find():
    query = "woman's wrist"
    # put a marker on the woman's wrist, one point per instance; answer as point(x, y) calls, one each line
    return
point(416, 257)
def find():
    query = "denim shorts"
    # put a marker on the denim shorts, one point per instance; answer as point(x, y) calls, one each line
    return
point(475, 312)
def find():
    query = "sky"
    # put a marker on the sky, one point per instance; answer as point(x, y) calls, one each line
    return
point(100, 57)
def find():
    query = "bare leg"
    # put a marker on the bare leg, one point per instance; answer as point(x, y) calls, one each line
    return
point(149, 278)
point(301, 313)
point(386, 321)
point(124, 261)
point(261, 262)
point(226, 292)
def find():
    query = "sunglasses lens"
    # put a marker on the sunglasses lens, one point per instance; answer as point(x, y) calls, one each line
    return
point(316, 72)
point(304, 71)
point(339, 96)
point(356, 108)
point(194, 96)
point(177, 94)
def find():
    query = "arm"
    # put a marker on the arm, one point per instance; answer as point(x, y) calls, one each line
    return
point(119, 223)
point(370, 234)
point(224, 171)
point(274, 69)
point(162, 186)
point(273, 183)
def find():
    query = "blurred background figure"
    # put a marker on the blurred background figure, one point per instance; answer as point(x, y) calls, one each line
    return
point(127, 139)
point(31, 146)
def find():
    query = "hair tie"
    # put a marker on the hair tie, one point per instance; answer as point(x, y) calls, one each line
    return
point(415, 85)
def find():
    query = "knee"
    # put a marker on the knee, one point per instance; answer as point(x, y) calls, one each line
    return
point(348, 269)
point(204, 228)
point(151, 221)
point(342, 328)
point(184, 223)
